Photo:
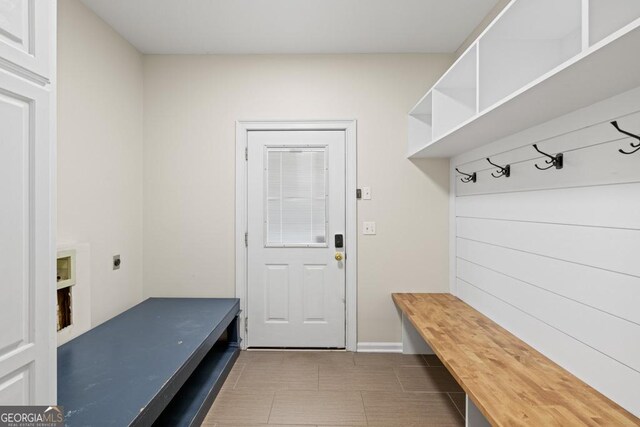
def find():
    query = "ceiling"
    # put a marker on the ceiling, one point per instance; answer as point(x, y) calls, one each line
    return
point(293, 26)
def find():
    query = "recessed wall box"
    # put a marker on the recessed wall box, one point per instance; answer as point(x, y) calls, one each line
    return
point(66, 269)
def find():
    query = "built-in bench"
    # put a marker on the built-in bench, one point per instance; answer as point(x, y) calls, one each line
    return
point(161, 362)
point(506, 381)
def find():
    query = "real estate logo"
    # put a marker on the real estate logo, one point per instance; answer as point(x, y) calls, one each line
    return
point(31, 416)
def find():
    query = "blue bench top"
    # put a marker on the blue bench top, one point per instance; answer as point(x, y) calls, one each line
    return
point(114, 373)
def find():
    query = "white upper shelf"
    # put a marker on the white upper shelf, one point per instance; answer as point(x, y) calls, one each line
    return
point(539, 59)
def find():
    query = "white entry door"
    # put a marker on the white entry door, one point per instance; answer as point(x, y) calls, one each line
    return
point(27, 249)
point(296, 208)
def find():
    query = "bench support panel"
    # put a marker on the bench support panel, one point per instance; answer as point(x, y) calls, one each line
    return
point(474, 417)
point(412, 342)
point(192, 403)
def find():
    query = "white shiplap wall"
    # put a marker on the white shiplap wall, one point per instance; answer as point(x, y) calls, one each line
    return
point(554, 256)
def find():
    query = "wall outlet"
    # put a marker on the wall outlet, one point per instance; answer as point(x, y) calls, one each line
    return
point(366, 193)
point(116, 262)
point(368, 227)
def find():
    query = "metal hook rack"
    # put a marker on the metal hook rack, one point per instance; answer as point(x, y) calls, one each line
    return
point(636, 146)
point(502, 170)
point(556, 161)
point(467, 177)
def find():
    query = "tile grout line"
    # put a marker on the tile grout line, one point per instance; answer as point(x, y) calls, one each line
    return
point(398, 379)
point(273, 401)
point(425, 360)
point(456, 406)
point(239, 375)
point(364, 409)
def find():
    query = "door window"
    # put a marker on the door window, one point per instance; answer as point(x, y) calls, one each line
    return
point(296, 196)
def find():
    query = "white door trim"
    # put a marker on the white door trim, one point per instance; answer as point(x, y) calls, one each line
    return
point(241, 224)
point(29, 79)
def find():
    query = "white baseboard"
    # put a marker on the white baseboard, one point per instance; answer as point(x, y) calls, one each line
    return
point(379, 347)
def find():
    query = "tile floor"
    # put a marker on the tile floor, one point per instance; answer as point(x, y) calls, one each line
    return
point(277, 388)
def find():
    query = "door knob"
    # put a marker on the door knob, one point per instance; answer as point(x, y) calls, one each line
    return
point(339, 256)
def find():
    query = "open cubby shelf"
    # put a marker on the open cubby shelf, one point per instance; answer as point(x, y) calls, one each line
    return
point(538, 59)
point(192, 402)
point(455, 97)
point(608, 16)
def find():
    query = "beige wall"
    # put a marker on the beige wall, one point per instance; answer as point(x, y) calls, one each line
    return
point(191, 105)
point(100, 154)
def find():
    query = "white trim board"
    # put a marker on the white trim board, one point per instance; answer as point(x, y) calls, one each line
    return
point(379, 347)
point(349, 127)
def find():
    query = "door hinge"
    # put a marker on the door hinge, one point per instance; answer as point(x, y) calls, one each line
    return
point(246, 153)
point(246, 325)
point(246, 240)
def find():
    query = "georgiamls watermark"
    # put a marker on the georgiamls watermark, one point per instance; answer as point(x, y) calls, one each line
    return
point(31, 416)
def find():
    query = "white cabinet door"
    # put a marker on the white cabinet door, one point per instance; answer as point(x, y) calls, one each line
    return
point(25, 35)
point(296, 207)
point(27, 255)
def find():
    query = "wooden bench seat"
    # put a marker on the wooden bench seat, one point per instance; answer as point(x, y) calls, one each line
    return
point(160, 362)
point(508, 381)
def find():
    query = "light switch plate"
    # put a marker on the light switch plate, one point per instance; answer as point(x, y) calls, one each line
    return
point(366, 193)
point(369, 227)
